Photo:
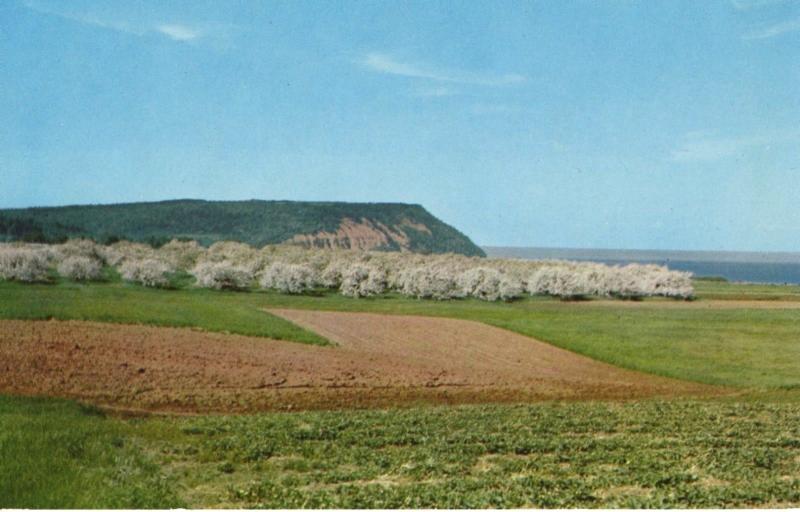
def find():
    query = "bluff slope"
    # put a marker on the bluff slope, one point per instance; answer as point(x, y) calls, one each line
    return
point(378, 226)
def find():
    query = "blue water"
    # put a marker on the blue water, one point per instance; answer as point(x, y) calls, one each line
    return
point(776, 268)
point(777, 273)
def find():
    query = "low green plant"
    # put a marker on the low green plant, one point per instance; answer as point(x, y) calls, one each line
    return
point(633, 455)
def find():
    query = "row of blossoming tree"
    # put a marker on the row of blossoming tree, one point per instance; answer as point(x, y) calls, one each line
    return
point(294, 270)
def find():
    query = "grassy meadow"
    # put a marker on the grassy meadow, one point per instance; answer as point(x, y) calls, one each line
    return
point(59, 454)
point(735, 451)
point(722, 290)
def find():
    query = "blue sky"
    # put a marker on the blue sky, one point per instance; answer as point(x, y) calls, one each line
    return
point(593, 124)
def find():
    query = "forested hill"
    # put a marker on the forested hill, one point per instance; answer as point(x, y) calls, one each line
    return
point(381, 226)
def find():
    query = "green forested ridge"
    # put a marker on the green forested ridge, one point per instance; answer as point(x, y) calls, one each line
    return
point(254, 222)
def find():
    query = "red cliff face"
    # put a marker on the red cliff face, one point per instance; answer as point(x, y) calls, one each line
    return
point(363, 234)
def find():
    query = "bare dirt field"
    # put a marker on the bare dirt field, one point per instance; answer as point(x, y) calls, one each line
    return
point(380, 360)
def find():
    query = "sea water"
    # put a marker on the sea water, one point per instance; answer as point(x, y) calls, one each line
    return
point(754, 267)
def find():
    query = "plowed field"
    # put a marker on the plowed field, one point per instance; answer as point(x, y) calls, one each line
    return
point(380, 360)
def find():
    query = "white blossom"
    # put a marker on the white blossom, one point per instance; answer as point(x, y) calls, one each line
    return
point(288, 278)
point(79, 247)
point(181, 255)
point(427, 282)
point(222, 275)
point(291, 269)
point(23, 264)
point(481, 282)
point(119, 252)
point(80, 268)
point(147, 272)
point(363, 281)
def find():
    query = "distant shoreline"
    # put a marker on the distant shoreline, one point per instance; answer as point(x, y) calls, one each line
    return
point(641, 255)
point(749, 267)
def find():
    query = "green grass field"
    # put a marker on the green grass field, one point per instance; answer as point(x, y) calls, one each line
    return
point(733, 451)
point(742, 291)
point(120, 303)
point(58, 454)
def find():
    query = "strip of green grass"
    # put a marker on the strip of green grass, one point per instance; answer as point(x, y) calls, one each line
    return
point(742, 291)
point(121, 303)
point(755, 348)
point(57, 454)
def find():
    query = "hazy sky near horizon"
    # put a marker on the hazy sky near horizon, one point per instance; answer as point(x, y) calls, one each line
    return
point(591, 124)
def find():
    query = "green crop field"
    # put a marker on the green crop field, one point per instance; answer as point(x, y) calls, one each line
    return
point(636, 454)
point(740, 450)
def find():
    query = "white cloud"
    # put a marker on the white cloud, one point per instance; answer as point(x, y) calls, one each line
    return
point(491, 108)
point(774, 30)
point(707, 150)
point(383, 63)
point(702, 147)
point(176, 32)
point(746, 5)
point(83, 18)
point(435, 92)
point(179, 32)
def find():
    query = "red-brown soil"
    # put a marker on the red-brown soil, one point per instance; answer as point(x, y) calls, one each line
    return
point(381, 360)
